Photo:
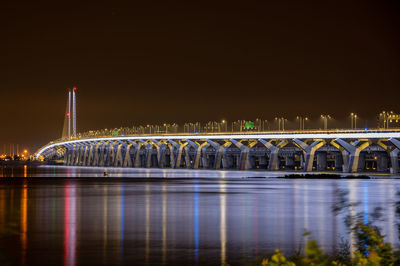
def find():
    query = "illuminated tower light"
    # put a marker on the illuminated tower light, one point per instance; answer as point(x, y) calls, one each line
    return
point(68, 114)
point(74, 111)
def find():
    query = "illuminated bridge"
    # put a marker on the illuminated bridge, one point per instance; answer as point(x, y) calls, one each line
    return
point(340, 150)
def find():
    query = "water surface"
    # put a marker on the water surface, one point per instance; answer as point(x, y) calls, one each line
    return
point(215, 218)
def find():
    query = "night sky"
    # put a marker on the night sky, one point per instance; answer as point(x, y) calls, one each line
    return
point(141, 62)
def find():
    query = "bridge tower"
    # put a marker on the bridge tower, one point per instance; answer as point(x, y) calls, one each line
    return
point(69, 128)
point(74, 111)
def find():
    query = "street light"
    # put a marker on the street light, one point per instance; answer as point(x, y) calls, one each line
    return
point(325, 120)
point(281, 121)
point(301, 121)
point(353, 120)
point(224, 125)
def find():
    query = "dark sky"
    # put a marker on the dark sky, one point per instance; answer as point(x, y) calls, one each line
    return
point(146, 62)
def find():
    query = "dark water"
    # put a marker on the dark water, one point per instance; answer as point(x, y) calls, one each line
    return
point(216, 220)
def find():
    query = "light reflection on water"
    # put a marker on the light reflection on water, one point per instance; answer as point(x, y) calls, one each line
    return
point(193, 221)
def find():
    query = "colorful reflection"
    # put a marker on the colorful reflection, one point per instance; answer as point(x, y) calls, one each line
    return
point(70, 225)
point(147, 223)
point(105, 222)
point(196, 222)
point(182, 221)
point(24, 221)
point(164, 224)
point(222, 197)
point(2, 206)
point(122, 222)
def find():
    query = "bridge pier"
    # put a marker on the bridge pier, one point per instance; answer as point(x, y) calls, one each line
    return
point(309, 152)
point(204, 159)
point(179, 148)
point(273, 164)
point(394, 155)
point(85, 155)
point(119, 159)
point(219, 152)
point(244, 162)
point(127, 158)
point(354, 150)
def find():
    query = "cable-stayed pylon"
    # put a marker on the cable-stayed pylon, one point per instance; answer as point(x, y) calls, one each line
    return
point(69, 128)
point(66, 133)
point(74, 111)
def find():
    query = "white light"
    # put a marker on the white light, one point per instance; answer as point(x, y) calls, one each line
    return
point(316, 135)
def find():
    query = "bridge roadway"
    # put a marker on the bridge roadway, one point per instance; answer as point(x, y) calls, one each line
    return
point(340, 150)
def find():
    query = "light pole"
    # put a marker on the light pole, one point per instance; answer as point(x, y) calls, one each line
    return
point(383, 116)
point(325, 120)
point(224, 124)
point(280, 121)
point(302, 121)
point(353, 120)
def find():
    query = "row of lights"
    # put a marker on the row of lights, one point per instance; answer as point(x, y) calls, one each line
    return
point(222, 126)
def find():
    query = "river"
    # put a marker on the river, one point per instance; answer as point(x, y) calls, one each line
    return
point(178, 217)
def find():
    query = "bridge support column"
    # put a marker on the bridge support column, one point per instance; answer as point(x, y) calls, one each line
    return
point(164, 148)
point(77, 155)
point(244, 160)
point(394, 159)
point(85, 155)
point(394, 155)
point(219, 154)
point(342, 161)
point(90, 155)
point(119, 160)
point(110, 158)
point(198, 150)
point(81, 154)
point(99, 154)
point(72, 155)
point(180, 148)
point(128, 159)
point(137, 145)
point(149, 152)
point(67, 156)
point(354, 151)
point(204, 160)
point(274, 152)
point(309, 151)
point(104, 154)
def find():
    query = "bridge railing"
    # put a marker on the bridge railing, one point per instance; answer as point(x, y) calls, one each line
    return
point(316, 131)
